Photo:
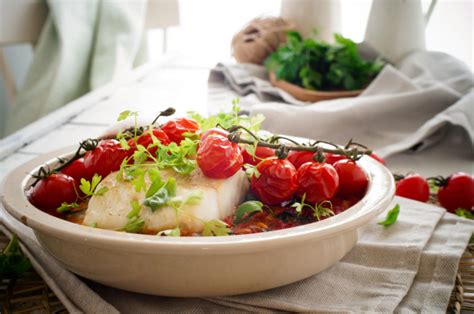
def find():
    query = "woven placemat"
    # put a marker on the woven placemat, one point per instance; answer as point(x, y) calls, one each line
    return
point(29, 293)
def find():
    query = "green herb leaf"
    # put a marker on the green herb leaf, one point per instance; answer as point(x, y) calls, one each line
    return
point(215, 227)
point(135, 223)
point(461, 212)
point(125, 114)
point(162, 195)
point(248, 208)
point(66, 207)
point(392, 216)
point(88, 188)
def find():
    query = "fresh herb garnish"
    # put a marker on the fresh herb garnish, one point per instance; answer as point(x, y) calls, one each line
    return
point(215, 227)
point(461, 212)
point(66, 207)
point(247, 208)
point(89, 187)
point(317, 65)
point(159, 194)
point(391, 217)
point(12, 261)
point(135, 223)
point(319, 210)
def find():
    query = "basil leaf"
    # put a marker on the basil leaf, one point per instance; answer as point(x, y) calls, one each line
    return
point(247, 208)
point(392, 216)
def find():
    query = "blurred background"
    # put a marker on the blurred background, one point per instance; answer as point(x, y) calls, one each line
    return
point(199, 31)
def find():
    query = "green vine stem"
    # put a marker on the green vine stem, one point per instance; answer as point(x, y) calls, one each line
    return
point(352, 150)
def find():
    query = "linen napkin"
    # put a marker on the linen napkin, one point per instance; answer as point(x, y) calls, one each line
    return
point(388, 270)
point(409, 105)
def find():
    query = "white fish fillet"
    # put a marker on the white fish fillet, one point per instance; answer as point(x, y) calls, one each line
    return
point(219, 198)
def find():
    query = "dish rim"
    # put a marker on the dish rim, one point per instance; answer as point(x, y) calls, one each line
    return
point(380, 193)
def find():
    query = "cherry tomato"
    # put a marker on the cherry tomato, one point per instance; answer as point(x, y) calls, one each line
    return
point(298, 158)
point(218, 157)
point(352, 179)
point(77, 171)
point(319, 181)
point(333, 158)
point(414, 187)
point(176, 127)
point(378, 158)
point(146, 140)
point(457, 192)
point(105, 158)
point(260, 154)
point(49, 193)
point(277, 181)
point(217, 131)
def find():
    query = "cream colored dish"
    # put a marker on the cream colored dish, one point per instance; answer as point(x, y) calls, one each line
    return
point(196, 266)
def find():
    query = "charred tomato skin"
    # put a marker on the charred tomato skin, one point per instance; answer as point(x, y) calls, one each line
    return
point(297, 158)
point(175, 128)
point(353, 181)
point(277, 181)
point(105, 158)
point(49, 193)
point(261, 153)
point(218, 157)
point(217, 131)
point(458, 192)
point(414, 187)
point(317, 181)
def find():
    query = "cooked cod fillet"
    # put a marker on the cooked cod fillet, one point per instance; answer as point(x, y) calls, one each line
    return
point(219, 198)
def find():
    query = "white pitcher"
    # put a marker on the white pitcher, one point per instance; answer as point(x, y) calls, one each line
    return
point(397, 27)
point(308, 15)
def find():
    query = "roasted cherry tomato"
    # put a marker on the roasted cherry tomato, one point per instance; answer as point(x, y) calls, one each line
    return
point(77, 171)
point(276, 182)
point(352, 179)
point(415, 187)
point(176, 127)
point(297, 158)
point(260, 154)
point(318, 181)
point(457, 192)
point(378, 158)
point(217, 131)
point(218, 157)
point(333, 158)
point(105, 158)
point(49, 193)
point(146, 140)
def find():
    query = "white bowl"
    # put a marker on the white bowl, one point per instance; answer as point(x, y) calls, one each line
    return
point(197, 266)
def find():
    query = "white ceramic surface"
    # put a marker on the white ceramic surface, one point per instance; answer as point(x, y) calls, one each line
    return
point(197, 266)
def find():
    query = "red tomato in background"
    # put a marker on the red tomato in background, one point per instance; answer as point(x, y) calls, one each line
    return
point(49, 193)
point(333, 158)
point(217, 131)
point(105, 158)
point(176, 127)
point(458, 192)
point(297, 158)
point(219, 158)
point(260, 154)
point(319, 181)
point(414, 187)
point(77, 171)
point(352, 179)
point(277, 182)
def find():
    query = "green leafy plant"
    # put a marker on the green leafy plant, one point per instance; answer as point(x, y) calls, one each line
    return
point(12, 261)
point(89, 187)
point(317, 65)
